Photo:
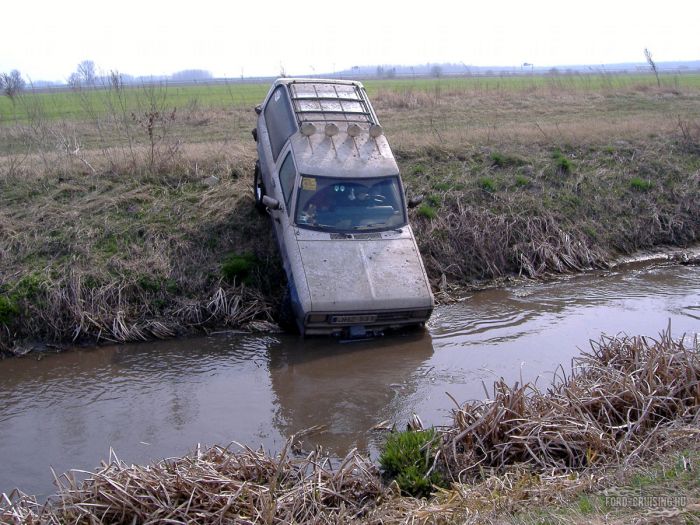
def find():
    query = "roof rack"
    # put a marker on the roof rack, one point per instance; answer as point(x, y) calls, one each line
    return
point(330, 102)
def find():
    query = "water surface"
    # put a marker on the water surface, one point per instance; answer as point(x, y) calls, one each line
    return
point(155, 400)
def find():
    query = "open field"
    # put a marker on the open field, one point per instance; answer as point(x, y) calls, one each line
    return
point(127, 214)
point(71, 104)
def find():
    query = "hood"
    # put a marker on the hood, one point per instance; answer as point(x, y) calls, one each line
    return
point(366, 275)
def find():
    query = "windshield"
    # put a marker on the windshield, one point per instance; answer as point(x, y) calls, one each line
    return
point(328, 203)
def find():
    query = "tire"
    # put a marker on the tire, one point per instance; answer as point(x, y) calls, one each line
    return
point(285, 314)
point(258, 188)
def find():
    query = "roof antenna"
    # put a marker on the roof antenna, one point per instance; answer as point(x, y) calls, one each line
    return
point(331, 131)
point(308, 129)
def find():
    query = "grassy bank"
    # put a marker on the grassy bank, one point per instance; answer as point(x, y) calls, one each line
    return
point(127, 214)
point(618, 427)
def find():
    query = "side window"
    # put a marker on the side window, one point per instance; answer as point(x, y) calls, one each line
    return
point(287, 175)
point(279, 119)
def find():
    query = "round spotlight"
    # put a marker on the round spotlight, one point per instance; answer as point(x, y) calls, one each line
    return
point(375, 130)
point(331, 130)
point(354, 130)
point(308, 129)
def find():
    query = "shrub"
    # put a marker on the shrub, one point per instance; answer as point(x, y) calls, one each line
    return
point(407, 458)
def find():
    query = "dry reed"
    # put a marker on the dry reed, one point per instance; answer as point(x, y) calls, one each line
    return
point(609, 409)
point(213, 485)
point(468, 242)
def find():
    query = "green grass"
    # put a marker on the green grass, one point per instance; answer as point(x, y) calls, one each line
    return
point(427, 211)
point(639, 184)
point(487, 184)
point(407, 457)
point(9, 309)
point(239, 266)
point(562, 163)
point(580, 82)
point(521, 181)
point(68, 104)
point(667, 477)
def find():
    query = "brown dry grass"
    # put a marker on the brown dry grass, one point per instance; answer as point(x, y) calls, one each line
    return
point(608, 408)
point(111, 231)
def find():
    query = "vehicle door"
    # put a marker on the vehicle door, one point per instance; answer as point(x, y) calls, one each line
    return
point(284, 185)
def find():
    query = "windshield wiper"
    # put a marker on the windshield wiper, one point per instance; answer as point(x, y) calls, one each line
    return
point(370, 226)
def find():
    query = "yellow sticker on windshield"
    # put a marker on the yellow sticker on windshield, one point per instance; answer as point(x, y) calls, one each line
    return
point(308, 183)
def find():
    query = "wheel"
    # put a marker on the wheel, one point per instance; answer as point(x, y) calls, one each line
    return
point(285, 314)
point(258, 188)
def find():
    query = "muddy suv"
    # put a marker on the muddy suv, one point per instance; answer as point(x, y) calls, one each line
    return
point(326, 175)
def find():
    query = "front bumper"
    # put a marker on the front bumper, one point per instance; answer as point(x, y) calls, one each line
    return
point(344, 323)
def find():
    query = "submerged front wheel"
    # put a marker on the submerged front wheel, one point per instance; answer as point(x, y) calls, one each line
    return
point(258, 188)
point(285, 313)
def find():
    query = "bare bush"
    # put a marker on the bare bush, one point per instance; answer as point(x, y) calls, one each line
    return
point(12, 84)
point(652, 65)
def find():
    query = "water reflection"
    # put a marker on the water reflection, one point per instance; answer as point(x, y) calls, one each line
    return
point(347, 387)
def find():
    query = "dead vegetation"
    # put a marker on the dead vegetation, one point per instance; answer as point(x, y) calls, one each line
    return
point(622, 402)
point(215, 485)
point(467, 242)
point(121, 257)
point(607, 409)
point(115, 220)
point(504, 210)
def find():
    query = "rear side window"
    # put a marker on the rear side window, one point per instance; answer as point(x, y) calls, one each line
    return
point(279, 119)
point(287, 176)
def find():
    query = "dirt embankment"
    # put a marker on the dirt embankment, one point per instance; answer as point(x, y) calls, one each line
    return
point(132, 235)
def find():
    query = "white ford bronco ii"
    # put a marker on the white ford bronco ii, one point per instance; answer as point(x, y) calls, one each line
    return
point(327, 177)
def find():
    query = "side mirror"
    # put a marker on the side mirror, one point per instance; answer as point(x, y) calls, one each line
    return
point(258, 109)
point(271, 203)
point(254, 132)
point(415, 201)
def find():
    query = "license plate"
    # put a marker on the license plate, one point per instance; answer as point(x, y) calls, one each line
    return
point(355, 319)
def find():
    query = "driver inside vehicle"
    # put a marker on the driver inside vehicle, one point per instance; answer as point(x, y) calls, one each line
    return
point(347, 204)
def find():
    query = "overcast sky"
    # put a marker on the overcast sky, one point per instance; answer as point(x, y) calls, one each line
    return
point(45, 39)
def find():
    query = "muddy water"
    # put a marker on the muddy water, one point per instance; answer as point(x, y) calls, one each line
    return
point(160, 399)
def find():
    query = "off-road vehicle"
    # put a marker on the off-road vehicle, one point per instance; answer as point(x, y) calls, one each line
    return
point(327, 177)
